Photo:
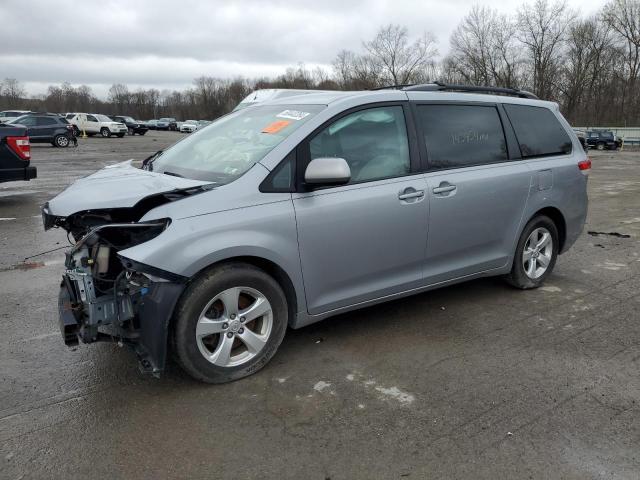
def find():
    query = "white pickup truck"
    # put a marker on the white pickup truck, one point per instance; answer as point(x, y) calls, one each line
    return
point(96, 124)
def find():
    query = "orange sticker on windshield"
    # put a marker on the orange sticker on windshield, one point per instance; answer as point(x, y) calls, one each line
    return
point(276, 126)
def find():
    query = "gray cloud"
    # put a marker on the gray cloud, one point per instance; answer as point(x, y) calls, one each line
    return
point(166, 44)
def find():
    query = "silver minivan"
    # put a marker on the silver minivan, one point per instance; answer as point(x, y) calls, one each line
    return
point(297, 209)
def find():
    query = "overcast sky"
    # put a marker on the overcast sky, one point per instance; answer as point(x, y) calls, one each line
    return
point(166, 44)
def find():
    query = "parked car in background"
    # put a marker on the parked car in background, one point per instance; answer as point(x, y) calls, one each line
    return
point(203, 123)
point(9, 115)
point(47, 128)
point(15, 154)
point(167, 124)
point(151, 124)
point(298, 209)
point(96, 124)
point(189, 126)
point(602, 140)
point(133, 126)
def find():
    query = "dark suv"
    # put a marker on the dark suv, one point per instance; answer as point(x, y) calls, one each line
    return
point(602, 139)
point(132, 126)
point(47, 128)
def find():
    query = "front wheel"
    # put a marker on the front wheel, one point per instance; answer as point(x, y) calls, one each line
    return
point(120, 135)
point(229, 323)
point(536, 254)
point(105, 132)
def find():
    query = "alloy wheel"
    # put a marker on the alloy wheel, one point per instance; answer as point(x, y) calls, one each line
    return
point(537, 253)
point(234, 326)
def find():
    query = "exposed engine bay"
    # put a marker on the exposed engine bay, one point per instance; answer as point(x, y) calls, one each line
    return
point(106, 297)
point(103, 292)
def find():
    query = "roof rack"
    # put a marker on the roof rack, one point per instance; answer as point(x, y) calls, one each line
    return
point(444, 87)
point(400, 86)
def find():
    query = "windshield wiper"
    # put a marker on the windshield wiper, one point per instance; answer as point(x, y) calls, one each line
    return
point(147, 162)
point(173, 174)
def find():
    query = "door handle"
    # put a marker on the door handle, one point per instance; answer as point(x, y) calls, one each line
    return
point(444, 189)
point(410, 195)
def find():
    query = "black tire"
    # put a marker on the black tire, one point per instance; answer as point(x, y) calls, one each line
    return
point(61, 141)
point(120, 135)
point(142, 133)
point(518, 277)
point(105, 132)
point(600, 146)
point(195, 299)
point(131, 132)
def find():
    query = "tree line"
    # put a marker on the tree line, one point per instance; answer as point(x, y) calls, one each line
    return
point(590, 65)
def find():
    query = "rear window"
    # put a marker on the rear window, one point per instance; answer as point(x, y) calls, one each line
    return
point(462, 135)
point(538, 131)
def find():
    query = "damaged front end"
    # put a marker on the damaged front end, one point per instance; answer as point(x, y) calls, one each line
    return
point(103, 294)
point(106, 297)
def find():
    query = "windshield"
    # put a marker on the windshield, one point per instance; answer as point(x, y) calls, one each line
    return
point(103, 118)
point(231, 145)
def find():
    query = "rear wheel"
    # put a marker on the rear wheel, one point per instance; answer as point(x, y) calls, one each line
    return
point(536, 254)
point(600, 146)
point(229, 323)
point(61, 141)
point(120, 135)
point(105, 132)
point(142, 133)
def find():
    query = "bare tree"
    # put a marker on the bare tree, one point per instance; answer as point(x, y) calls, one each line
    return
point(398, 58)
point(588, 43)
point(12, 92)
point(120, 97)
point(542, 29)
point(623, 16)
point(356, 72)
point(483, 49)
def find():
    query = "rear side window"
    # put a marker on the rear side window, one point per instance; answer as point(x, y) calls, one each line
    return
point(538, 131)
point(462, 135)
point(45, 121)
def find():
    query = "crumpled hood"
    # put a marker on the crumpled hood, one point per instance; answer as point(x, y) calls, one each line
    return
point(116, 186)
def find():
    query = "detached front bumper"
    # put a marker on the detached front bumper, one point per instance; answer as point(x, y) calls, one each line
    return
point(144, 329)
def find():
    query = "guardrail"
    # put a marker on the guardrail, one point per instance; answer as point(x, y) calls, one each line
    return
point(622, 132)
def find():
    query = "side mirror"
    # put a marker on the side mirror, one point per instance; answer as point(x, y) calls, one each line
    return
point(327, 171)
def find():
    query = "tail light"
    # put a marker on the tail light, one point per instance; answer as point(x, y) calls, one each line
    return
point(21, 146)
point(585, 165)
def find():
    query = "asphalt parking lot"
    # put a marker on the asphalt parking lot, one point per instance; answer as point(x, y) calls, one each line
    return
point(472, 381)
